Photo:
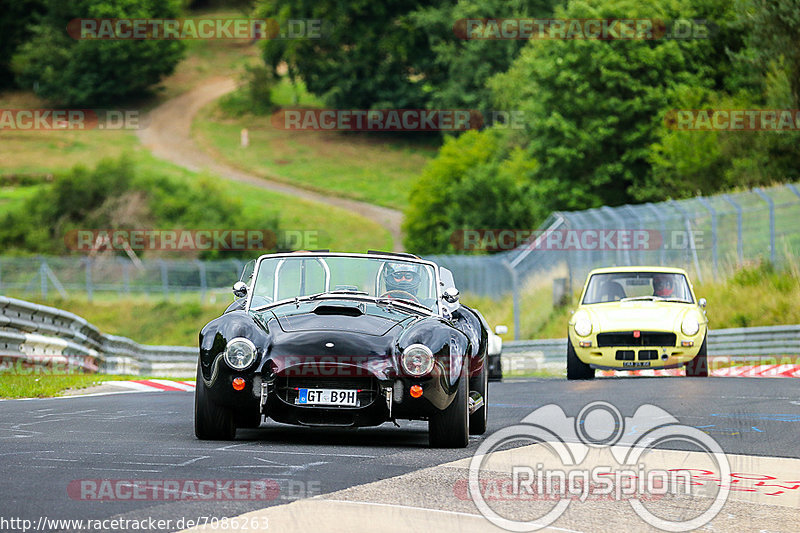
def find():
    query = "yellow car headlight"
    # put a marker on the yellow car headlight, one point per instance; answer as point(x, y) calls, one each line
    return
point(583, 324)
point(690, 326)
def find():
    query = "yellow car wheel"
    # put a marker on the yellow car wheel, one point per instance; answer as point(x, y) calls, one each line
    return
point(698, 367)
point(577, 369)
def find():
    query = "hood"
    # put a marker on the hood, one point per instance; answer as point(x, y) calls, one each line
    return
point(648, 316)
point(339, 316)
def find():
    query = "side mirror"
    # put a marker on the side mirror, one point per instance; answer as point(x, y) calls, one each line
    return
point(240, 289)
point(501, 330)
point(702, 302)
point(450, 295)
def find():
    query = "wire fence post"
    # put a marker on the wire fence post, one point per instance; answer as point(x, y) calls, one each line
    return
point(713, 212)
point(514, 295)
point(739, 239)
point(690, 235)
point(201, 266)
point(89, 287)
point(771, 204)
point(623, 256)
point(43, 279)
point(662, 250)
point(164, 278)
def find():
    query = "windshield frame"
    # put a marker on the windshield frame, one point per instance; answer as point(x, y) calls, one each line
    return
point(632, 273)
point(321, 255)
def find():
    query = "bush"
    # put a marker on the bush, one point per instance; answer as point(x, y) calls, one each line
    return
point(254, 97)
point(477, 181)
point(114, 195)
point(76, 72)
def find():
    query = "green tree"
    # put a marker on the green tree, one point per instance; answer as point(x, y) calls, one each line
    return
point(456, 75)
point(396, 54)
point(476, 182)
point(16, 16)
point(87, 72)
point(773, 36)
point(366, 54)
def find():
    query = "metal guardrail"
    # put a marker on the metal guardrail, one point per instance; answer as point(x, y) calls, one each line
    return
point(38, 335)
point(738, 344)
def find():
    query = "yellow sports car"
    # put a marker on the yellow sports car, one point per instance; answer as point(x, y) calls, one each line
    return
point(631, 318)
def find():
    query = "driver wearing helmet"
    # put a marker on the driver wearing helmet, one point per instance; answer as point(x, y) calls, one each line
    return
point(402, 277)
point(663, 286)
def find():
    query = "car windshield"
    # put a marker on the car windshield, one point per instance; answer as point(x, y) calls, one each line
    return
point(617, 286)
point(309, 275)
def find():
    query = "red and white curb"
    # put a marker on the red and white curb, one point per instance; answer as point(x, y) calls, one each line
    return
point(752, 371)
point(154, 385)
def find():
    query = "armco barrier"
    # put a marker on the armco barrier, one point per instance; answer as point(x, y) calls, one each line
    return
point(39, 335)
point(42, 336)
point(736, 344)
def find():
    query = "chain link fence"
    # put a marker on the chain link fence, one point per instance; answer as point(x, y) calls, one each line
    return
point(708, 236)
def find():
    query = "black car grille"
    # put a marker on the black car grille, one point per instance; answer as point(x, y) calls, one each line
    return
point(629, 355)
point(288, 388)
point(626, 338)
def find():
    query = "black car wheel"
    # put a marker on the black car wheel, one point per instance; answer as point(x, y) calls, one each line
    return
point(450, 428)
point(698, 367)
point(211, 421)
point(480, 384)
point(577, 369)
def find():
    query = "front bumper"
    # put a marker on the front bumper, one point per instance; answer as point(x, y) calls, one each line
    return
point(380, 398)
point(637, 357)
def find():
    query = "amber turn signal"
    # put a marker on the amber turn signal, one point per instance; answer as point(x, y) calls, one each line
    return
point(238, 383)
point(416, 391)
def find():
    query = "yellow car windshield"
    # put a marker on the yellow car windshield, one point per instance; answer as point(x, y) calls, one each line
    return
point(617, 286)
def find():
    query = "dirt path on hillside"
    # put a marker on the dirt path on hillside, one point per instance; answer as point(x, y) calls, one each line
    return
point(168, 136)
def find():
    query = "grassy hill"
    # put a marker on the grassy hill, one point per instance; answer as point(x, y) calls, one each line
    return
point(45, 153)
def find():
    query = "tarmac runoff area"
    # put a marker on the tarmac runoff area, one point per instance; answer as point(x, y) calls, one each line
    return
point(764, 491)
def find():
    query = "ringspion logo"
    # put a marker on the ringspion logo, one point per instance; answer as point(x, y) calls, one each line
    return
point(567, 472)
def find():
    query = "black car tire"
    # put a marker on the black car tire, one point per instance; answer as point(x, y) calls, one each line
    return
point(450, 428)
point(211, 421)
point(480, 384)
point(577, 369)
point(698, 367)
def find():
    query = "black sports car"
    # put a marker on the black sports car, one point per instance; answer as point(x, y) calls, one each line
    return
point(340, 339)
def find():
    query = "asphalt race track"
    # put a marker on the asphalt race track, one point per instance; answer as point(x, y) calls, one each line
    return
point(45, 445)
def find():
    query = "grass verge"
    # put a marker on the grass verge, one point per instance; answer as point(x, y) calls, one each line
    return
point(39, 384)
point(375, 168)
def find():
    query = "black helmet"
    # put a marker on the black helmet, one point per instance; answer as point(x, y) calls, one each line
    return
point(402, 277)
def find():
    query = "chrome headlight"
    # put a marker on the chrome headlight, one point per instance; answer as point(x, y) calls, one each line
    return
point(690, 326)
point(240, 353)
point(417, 360)
point(583, 324)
